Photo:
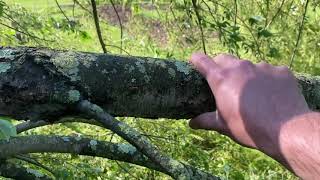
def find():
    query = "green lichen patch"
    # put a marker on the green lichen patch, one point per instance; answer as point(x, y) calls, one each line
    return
point(78, 138)
point(127, 148)
point(183, 67)
point(93, 144)
point(73, 96)
point(67, 64)
point(172, 72)
point(147, 78)
point(65, 139)
point(161, 63)
point(140, 66)
point(35, 173)
point(131, 68)
point(97, 109)
point(6, 54)
point(4, 67)
point(86, 59)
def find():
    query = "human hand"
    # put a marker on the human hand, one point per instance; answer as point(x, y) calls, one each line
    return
point(253, 101)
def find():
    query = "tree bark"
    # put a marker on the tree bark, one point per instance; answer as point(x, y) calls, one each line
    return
point(39, 83)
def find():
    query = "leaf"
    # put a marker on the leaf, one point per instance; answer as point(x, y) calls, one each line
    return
point(273, 52)
point(264, 33)
point(84, 35)
point(256, 19)
point(199, 138)
point(7, 129)
point(2, 4)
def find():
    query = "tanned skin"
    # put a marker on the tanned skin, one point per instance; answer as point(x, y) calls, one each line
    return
point(260, 106)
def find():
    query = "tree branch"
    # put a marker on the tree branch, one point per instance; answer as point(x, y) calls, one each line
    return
point(172, 167)
point(14, 171)
point(195, 7)
point(96, 22)
point(64, 14)
point(299, 34)
point(27, 125)
point(75, 145)
point(122, 85)
point(33, 161)
point(120, 24)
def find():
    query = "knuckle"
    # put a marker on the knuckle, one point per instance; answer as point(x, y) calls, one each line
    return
point(224, 56)
point(283, 69)
point(263, 65)
point(216, 76)
point(245, 64)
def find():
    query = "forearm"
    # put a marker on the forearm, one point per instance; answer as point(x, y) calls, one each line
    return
point(299, 142)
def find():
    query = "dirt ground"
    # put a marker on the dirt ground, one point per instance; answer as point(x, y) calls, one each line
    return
point(155, 29)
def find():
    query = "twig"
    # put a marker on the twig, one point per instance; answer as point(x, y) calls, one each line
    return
point(27, 125)
point(119, 48)
point(84, 8)
point(127, 171)
point(73, 7)
point(96, 22)
point(236, 12)
point(242, 21)
point(299, 34)
point(172, 167)
point(195, 7)
point(120, 24)
point(62, 11)
point(34, 162)
point(21, 32)
point(276, 14)
point(235, 23)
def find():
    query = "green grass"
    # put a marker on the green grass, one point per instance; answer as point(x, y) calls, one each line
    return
point(207, 150)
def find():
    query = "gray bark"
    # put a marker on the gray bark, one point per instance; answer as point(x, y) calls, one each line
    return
point(14, 171)
point(43, 84)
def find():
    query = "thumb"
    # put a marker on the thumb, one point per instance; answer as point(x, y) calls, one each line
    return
point(209, 121)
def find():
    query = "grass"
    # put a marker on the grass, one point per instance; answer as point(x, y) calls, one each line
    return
point(207, 150)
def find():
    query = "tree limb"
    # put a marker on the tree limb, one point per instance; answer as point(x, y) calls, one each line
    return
point(171, 167)
point(27, 125)
point(75, 145)
point(39, 83)
point(96, 22)
point(14, 171)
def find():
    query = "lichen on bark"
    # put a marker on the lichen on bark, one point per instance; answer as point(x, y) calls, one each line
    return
point(124, 86)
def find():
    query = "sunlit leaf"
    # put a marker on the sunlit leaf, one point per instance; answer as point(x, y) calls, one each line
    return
point(256, 19)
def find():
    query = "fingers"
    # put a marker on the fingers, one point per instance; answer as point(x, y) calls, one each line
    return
point(204, 64)
point(209, 121)
point(225, 60)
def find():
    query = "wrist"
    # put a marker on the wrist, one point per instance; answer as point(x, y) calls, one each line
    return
point(299, 145)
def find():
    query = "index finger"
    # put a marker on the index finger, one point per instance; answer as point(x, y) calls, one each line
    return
point(204, 64)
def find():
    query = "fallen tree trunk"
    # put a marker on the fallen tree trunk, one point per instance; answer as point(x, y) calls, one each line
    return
point(38, 83)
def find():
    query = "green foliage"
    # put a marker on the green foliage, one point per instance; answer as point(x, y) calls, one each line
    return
point(7, 129)
point(2, 4)
point(256, 30)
